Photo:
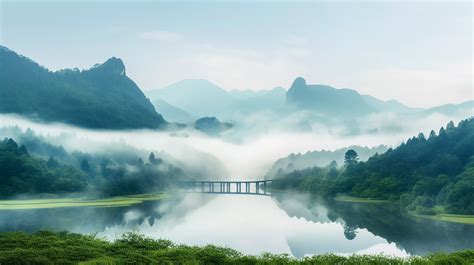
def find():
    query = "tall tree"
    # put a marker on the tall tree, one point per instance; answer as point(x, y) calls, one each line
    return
point(351, 157)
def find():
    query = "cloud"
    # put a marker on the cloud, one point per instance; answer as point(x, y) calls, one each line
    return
point(159, 35)
point(247, 153)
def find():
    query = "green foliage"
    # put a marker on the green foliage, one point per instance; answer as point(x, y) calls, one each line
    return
point(422, 173)
point(460, 198)
point(120, 171)
point(111, 174)
point(351, 157)
point(66, 248)
point(23, 173)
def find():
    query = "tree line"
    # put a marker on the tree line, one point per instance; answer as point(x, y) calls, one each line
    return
point(426, 174)
point(49, 169)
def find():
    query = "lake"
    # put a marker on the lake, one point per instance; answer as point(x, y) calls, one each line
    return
point(284, 223)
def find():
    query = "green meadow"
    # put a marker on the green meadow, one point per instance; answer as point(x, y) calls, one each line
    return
point(346, 198)
point(118, 201)
point(455, 218)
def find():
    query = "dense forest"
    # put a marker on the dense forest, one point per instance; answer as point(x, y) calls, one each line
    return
point(102, 97)
point(22, 173)
point(321, 158)
point(50, 169)
point(426, 174)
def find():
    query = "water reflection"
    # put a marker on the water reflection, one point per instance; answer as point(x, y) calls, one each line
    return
point(285, 223)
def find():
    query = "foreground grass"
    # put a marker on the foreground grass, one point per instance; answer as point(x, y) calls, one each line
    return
point(66, 248)
point(78, 202)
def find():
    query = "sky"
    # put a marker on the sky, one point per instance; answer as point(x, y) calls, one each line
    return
point(419, 53)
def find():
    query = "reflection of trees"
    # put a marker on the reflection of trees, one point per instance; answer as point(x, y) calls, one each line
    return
point(77, 219)
point(416, 236)
point(349, 232)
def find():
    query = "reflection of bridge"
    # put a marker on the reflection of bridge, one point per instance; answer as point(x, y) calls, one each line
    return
point(255, 187)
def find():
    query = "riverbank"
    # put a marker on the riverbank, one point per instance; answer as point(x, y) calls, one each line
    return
point(67, 248)
point(346, 198)
point(455, 218)
point(440, 216)
point(119, 201)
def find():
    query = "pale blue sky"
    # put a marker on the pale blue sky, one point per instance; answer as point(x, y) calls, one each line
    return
point(417, 52)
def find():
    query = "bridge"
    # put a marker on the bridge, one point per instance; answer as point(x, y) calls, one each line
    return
point(252, 187)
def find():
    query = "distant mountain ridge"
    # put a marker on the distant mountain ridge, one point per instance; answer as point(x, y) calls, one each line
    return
point(172, 113)
point(202, 98)
point(102, 97)
point(326, 100)
point(196, 96)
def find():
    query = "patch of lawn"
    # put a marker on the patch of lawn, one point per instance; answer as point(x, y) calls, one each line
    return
point(346, 198)
point(455, 218)
point(78, 202)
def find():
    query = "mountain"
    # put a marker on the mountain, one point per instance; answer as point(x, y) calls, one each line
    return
point(453, 109)
point(254, 101)
point(202, 98)
point(211, 125)
point(319, 158)
point(172, 113)
point(387, 106)
point(326, 100)
point(102, 97)
point(196, 96)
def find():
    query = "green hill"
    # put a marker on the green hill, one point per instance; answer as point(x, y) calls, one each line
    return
point(102, 97)
point(21, 173)
point(426, 174)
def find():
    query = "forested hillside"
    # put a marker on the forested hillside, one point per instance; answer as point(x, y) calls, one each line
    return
point(102, 97)
point(51, 169)
point(21, 173)
point(320, 158)
point(425, 173)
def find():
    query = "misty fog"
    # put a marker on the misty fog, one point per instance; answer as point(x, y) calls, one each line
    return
point(247, 150)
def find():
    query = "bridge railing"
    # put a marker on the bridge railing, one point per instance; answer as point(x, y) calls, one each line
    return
point(255, 187)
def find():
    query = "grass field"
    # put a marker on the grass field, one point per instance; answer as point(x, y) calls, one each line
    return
point(119, 201)
point(456, 218)
point(345, 198)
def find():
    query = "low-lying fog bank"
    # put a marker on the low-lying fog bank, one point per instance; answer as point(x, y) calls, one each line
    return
point(246, 151)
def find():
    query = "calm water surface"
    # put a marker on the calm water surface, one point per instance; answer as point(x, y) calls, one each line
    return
point(285, 223)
